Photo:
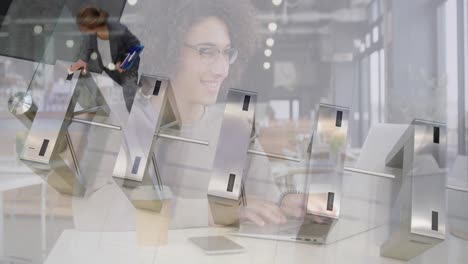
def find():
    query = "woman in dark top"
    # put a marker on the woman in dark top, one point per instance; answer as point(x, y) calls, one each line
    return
point(107, 44)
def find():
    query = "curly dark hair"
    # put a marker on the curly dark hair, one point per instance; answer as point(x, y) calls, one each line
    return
point(174, 18)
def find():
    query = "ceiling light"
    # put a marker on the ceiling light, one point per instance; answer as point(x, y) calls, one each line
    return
point(272, 26)
point(277, 2)
point(37, 29)
point(70, 43)
point(270, 42)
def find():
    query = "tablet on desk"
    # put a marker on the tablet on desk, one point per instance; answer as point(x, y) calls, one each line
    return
point(213, 245)
point(132, 57)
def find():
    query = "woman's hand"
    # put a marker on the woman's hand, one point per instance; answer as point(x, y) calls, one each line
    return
point(80, 64)
point(294, 204)
point(262, 212)
point(117, 67)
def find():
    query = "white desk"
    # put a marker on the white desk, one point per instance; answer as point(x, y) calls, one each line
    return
point(93, 247)
point(13, 176)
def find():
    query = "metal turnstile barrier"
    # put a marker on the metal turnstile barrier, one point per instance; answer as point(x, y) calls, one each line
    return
point(226, 186)
point(419, 212)
point(48, 135)
point(326, 162)
point(136, 150)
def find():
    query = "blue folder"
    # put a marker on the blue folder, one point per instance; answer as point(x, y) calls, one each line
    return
point(132, 57)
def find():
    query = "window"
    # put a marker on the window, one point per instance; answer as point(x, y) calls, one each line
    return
point(281, 109)
point(448, 71)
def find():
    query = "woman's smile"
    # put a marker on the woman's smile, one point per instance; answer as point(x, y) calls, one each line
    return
point(212, 86)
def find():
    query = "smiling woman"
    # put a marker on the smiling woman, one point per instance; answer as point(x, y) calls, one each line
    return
point(174, 19)
point(200, 70)
point(201, 45)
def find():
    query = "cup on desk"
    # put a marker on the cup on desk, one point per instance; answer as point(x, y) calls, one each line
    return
point(152, 227)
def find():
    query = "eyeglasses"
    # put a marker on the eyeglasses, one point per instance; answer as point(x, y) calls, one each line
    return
point(209, 54)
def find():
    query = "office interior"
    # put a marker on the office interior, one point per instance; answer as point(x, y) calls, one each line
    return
point(385, 62)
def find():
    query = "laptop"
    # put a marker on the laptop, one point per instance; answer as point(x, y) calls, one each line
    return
point(294, 231)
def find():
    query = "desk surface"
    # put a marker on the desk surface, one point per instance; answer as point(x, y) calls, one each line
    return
point(121, 247)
